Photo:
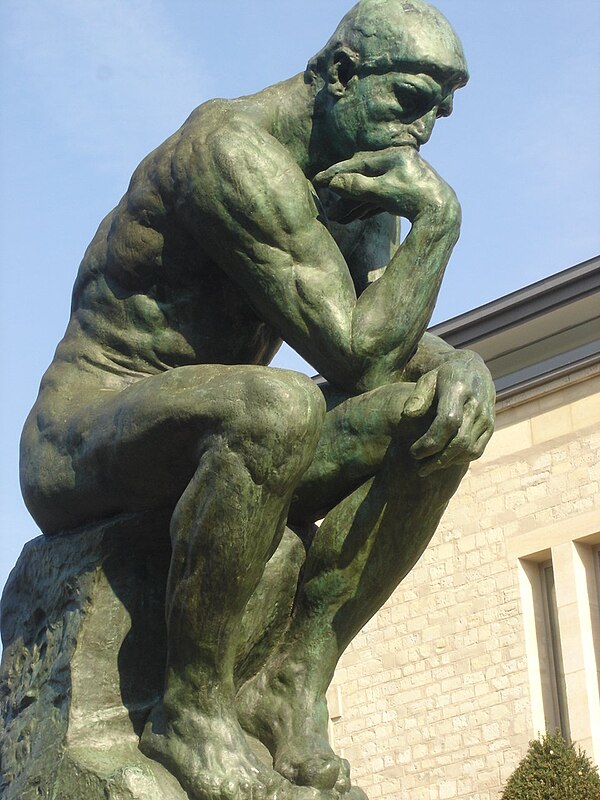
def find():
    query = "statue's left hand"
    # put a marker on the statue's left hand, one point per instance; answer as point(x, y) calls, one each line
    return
point(461, 394)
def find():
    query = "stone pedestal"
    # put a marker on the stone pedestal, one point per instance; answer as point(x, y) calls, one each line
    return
point(84, 651)
point(84, 657)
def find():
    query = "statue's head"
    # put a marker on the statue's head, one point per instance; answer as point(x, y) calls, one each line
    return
point(389, 70)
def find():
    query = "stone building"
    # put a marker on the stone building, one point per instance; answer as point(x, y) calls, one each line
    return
point(494, 637)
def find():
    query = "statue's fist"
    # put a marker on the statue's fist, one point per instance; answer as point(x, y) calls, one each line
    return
point(396, 180)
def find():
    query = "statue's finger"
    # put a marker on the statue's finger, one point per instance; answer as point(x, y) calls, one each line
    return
point(466, 446)
point(323, 178)
point(447, 424)
point(481, 443)
point(439, 435)
point(355, 164)
point(419, 402)
point(352, 184)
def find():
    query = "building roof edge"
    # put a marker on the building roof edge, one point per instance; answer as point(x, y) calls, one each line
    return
point(533, 300)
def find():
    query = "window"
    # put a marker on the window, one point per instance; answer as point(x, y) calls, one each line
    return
point(554, 650)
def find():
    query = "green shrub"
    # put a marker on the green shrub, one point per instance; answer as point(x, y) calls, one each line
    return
point(553, 770)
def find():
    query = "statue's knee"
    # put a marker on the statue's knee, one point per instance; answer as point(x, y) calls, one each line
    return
point(282, 419)
point(301, 404)
point(286, 407)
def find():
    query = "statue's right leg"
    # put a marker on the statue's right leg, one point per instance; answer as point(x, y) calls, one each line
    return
point(369, 539)
point(226, 447)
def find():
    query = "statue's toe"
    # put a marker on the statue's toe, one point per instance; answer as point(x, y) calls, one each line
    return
point(318, 771)
point(342, 784)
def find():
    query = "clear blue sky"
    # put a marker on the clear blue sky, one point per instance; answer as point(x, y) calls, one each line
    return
point(88, 88)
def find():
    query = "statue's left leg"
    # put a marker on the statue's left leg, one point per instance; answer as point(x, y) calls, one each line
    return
point(367, 543)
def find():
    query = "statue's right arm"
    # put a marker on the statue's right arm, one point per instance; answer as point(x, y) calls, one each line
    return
point(252, 207)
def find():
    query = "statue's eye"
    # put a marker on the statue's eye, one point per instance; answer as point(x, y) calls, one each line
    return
point(407, 97)
point(412, 100)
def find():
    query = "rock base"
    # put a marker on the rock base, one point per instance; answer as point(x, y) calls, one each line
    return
point(84, 652)
point(84, 658)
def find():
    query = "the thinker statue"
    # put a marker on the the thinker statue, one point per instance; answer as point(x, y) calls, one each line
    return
point(231, 238)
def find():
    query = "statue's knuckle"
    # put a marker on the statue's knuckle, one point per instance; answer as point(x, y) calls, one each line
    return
point(453, 420)
point(461, 442)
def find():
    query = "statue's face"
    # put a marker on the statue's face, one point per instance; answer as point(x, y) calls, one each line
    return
point(374, 107)
point(377, 111)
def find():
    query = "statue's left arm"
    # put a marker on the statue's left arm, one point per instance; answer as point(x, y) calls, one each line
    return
point(453, 386)
point(456, 384)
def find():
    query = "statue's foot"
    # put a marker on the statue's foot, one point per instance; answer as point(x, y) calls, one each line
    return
point(293, 726)
point(321, 770)
point(210, 758)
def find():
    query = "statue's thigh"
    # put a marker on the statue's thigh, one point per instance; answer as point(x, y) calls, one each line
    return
point(137, 449)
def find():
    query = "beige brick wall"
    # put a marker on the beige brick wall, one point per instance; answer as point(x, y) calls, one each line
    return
point(433, 699)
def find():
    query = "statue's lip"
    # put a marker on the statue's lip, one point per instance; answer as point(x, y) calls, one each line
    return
point(404, 140)
point(408, 143)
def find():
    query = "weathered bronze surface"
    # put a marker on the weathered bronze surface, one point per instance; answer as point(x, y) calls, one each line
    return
point(177, 477)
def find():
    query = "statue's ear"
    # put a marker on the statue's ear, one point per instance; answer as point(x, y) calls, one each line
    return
point(341, 69)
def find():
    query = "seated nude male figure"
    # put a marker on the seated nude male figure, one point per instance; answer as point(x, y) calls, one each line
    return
point(160, 396)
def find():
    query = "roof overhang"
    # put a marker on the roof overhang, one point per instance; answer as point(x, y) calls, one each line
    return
point(536, 333)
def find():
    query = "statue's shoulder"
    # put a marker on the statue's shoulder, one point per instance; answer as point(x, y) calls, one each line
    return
point(216, 138)
point(218, 123)
point(225, 149)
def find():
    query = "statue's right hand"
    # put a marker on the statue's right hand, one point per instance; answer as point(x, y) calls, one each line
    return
point(396, 180)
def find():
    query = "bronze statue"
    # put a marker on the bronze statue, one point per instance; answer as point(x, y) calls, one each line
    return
point(231, 238)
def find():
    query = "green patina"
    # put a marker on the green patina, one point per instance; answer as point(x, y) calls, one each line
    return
point(265, 219)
